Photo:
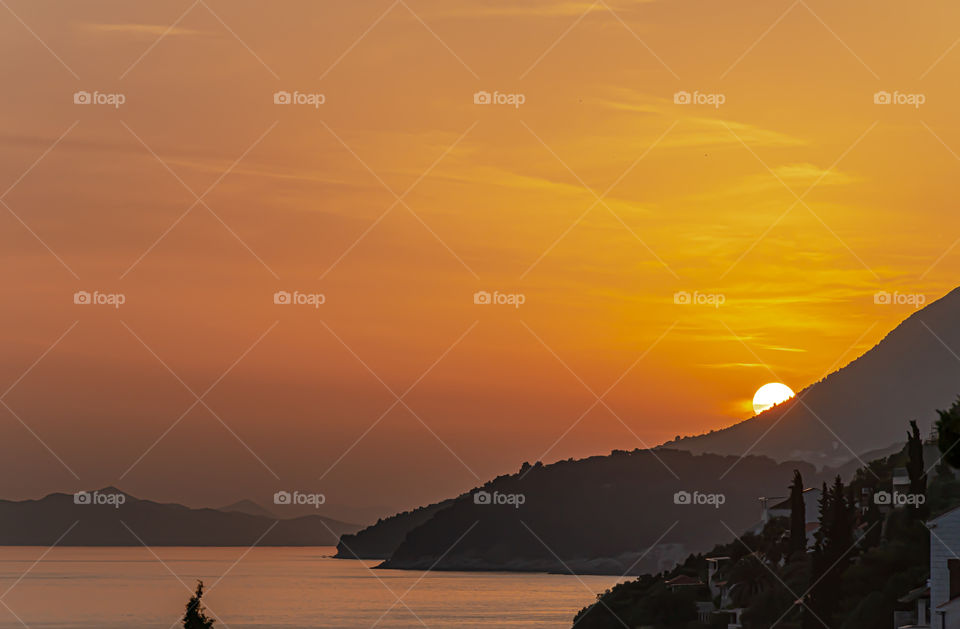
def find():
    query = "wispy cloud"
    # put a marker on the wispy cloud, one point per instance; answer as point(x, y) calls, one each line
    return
point(538, 8)
point(144, 30)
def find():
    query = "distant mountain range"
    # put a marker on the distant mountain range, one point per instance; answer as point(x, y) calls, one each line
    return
point(864, 406)
point(110, 517)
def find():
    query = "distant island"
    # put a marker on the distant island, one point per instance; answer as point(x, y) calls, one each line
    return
point(111, 517)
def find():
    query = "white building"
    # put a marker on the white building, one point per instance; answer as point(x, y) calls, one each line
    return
point(945, 570)
point(781, 506)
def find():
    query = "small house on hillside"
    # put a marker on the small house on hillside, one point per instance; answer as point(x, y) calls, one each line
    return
point(945, 570)
point(781, 508)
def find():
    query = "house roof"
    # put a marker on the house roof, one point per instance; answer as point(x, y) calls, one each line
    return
point(812, 526)
point(786, 503)
point(684, 580)
point(914, 594)
point(941, 516)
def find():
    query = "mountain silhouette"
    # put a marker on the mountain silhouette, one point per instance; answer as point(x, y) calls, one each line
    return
point(249, 507)
point(627, 512)
point(111, 517)
point(378, 541)
point(864, 406)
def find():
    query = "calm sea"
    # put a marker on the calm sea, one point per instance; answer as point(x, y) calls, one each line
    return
point(106, 588)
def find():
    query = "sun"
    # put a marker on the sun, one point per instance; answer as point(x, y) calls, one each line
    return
point(769, 395)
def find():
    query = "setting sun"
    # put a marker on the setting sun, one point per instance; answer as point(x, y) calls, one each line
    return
point(770, 395)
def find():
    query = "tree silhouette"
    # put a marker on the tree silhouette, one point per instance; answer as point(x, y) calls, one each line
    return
point(948, 434)
point(916, 470)
point(798, 515)
point(831, 555)
point(196, 616)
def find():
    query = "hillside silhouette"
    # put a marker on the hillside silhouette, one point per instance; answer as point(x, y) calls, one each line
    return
point(597, 515)
point(42, 522)
point(912, 372)
point(378, 541)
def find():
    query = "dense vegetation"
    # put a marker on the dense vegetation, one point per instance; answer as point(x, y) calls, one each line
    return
point(862, 560)
point(588, 515)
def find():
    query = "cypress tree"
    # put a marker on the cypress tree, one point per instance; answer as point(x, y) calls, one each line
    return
point(916, 470)
point(195, 616)
point(798, 515)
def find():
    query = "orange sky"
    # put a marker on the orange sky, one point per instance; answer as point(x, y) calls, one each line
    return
point(494, 197)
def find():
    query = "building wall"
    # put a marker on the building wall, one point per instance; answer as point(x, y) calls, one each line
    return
point(944, 545)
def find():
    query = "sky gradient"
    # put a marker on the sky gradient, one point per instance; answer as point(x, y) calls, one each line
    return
point(598, 199)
